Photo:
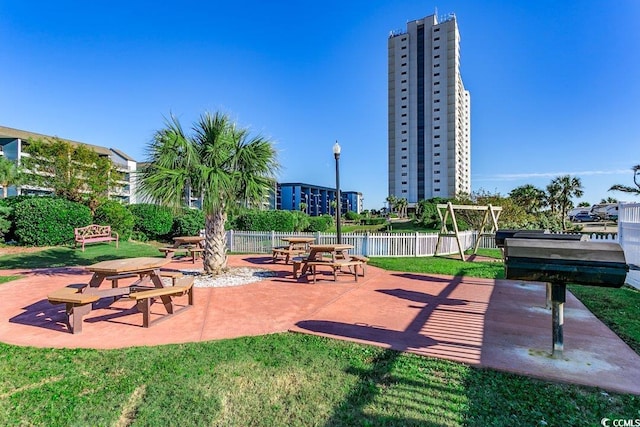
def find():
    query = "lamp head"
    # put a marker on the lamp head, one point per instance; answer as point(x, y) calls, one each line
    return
point(336, 149)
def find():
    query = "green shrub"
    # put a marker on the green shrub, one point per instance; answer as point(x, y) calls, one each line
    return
point(351, 216)
point(116, 215)
point(300, 220)
point(320, 223)
point(373, 221)
point(11, 202)
point(188, 223)
point(153, 221)
point(44, 221)
point(5, 222)
point(266, 221)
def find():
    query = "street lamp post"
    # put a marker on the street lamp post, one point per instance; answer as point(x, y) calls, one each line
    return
point(336, 154)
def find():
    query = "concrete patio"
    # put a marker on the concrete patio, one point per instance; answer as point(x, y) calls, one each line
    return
point(497, 324)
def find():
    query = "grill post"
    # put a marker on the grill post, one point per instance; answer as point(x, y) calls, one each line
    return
point(558, 298)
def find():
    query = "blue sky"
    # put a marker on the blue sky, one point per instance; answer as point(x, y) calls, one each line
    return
point(555, 86)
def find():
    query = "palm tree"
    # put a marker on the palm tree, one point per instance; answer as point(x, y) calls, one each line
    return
point(8, 174)
point(221, 163)
point(561, 190)
point(392, 200)
point(529, 197)
point(627, 188)
point(401, 205)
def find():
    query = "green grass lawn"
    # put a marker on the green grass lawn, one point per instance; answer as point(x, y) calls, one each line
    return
point(290, 379)
point(62, 256)
point(281, 380)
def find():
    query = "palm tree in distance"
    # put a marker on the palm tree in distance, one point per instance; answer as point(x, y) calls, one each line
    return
point(401, 205)
point(627, 188)
point(8, 174)
point(529, 197)
point(220, 163)
point(392, 200)
point(561, 190)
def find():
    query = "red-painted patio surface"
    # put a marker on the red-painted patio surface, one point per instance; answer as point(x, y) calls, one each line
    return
point(498, 324)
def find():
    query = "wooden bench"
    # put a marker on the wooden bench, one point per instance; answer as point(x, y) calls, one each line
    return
point(94, 233)
point(145, 297)
point(169, 252)
point(363, 259)
point(336, 266)
point(194, 252)
point(286, 253)
point(77, 304)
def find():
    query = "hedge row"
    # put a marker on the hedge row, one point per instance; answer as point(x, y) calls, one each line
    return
point(49, 221)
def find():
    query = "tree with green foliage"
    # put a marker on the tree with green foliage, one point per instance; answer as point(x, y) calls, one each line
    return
point(221, 163)
point(303, 207)
point(73, 171)
point(627, 188)
point(560, 192)
point(8, 174)
point(608, 200)
point(401, 205)
point(115, 214)
point(391, 200)
point(531, 198)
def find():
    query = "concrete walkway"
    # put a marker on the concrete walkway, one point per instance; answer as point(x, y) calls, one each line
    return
point(498, 324)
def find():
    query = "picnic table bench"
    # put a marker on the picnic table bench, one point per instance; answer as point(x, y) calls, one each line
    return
point(335, 257)
point(77, 304)
point(94, 233)
point(191, 245)
point(335, 266)
point(296, 246)
point(146, 297)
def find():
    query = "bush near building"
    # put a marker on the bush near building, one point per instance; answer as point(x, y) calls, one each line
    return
point(320, 223)
point(188, 223)
point(45, 221)
point(116, 215)
point(151, 222)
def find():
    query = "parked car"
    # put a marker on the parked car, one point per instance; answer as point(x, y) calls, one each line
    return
point(573, 212)
point(584, 217)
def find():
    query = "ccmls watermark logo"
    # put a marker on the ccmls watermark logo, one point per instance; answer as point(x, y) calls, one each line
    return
point(620, 422)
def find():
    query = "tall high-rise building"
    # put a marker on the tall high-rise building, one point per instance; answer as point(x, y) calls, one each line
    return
point(429, 112)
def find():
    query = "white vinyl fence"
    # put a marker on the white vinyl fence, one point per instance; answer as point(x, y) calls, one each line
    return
point(629, 239)
point(373, 244)
point(367, 244)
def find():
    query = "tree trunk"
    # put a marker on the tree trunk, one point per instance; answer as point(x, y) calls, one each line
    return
point(215, 243)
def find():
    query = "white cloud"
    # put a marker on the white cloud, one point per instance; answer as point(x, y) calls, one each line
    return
point(520, 176)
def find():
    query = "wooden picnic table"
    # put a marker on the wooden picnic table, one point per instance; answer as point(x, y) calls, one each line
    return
point(338, 257)
point(296, 246)
point(188, 240)
point(148, 271)
point(298, 240)
point(190, 244)
point(147, 268)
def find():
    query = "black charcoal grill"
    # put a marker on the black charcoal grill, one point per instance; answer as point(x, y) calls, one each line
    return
point(558, 262)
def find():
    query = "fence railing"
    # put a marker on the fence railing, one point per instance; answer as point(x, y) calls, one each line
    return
point(367, 244)
point(629, 238)
point(388, 244)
